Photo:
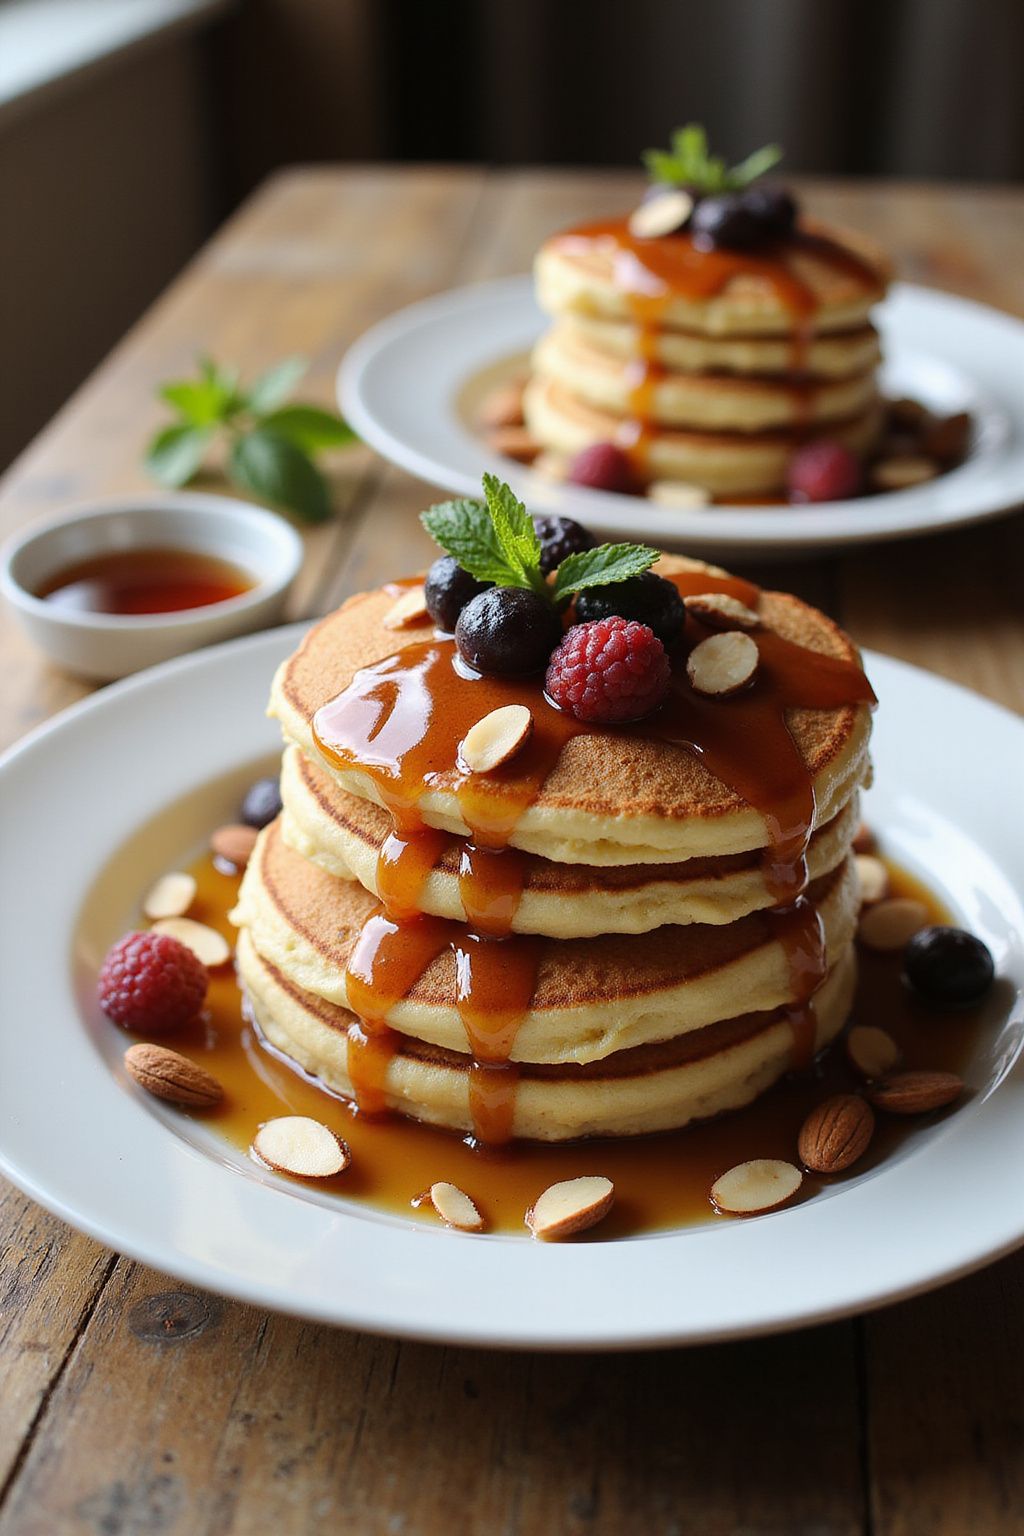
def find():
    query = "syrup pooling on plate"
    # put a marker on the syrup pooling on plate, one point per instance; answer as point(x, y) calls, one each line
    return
point(652, 272)
point(400, 723)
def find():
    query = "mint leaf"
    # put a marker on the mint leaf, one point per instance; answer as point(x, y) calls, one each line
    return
point(515, 533)
point(309, 427)
point(688, 163)
point(600, 567)
point(755, 165)
point(272, 388)
point(277, 471)
point(175, 453)
point(465, 531)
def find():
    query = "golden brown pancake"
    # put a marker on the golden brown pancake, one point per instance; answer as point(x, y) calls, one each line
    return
point(614, 797)
point(635, 1091)
point(344, 834)
point(592, 996)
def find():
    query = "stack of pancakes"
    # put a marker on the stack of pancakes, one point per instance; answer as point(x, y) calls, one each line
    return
point(707, 367)
point(664, 988)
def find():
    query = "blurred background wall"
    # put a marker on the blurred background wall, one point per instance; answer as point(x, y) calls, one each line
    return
point(117, 166)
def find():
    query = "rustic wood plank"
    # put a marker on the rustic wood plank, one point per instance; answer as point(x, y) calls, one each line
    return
point(241, 1423)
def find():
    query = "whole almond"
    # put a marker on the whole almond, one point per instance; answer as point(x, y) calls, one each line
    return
point(570, 1207)
point(871, 1050)
point(206, 943)
point(502, 406)
point(495, 739)
point(171, 896)
point(750, 1189)
point(872, 878)
point(168, 1075)
point(888, 925)
point(723, 664)
point(720, 611)
point(863, 839)
point(677, 493)
point(947, 439)
point(836, 1133)
point(915, 1093)
point(234, 844)
point(411, 608)
point(301, 1146)
point(515, 443)
point(455, 1208)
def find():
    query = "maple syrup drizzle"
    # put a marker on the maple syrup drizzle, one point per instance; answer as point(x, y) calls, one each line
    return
point(652, 272)
point(400, 722)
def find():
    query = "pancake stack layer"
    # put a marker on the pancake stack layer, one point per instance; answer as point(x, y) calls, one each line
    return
point(707, 366)
point(618, 931)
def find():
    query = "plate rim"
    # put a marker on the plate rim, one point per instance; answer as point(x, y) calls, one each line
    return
point(736, 527)
point(566, 1263)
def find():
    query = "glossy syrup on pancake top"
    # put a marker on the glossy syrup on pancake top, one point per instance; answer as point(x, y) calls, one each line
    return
point(650, 273)
point(400, 722)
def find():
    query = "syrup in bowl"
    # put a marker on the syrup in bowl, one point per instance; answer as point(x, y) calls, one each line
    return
point(129, 582)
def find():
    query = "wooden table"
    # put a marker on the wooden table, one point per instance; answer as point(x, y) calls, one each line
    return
point(130, 1403)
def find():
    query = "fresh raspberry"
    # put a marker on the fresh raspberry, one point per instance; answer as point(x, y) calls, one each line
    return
point(824, 472)
point(612, 669)
point(150, 982)
point(603, 467)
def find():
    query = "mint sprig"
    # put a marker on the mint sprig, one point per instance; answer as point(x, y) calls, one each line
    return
point(495, 541)
point(271, 444)
point(689, 164)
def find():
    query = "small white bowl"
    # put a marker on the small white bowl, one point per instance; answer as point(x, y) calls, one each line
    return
point(103, 646)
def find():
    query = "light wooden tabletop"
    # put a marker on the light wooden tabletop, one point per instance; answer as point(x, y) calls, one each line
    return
point(129, 1403)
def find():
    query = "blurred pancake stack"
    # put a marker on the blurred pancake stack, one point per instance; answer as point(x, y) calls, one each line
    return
point(709, 335)
point(606, 931)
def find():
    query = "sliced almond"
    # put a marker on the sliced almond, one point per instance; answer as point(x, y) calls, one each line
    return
point(206, 944)
point(552, 466)
point(515, 443)
point(662, 214)
point(169, 1075)
point(872, 878)
point(570, 1207)
point(722, 664)
point(234, 844)
point(763, 1184)
point(495, 739)
point(301, 1146)
point(872, 1051)
point(836, 1133)
point(411, 608)
point(863, 839)
point(720, 611)
point(455, 1208)
point(502, 406)
point(915, 1093)
point(889, 924)
point(171, 896)
point(900, 473)
point(677, 493)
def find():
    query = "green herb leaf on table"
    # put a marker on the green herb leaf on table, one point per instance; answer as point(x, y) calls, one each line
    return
point(276, 470)
point(600, 567)
point(271, 443)
point(175, 454)
point(496, 541)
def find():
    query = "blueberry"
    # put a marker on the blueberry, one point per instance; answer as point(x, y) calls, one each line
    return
point(560, 536)
point(448, 588)
point(261, 804)
point(948, 967)
point(725, 220)
point(772, 206)
point(649, 599)
point(507, 630)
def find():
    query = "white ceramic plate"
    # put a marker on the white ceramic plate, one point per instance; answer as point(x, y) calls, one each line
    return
point(167, 1190)
point(400, 386)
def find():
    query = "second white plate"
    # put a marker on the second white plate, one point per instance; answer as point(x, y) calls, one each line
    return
point(400, 387)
